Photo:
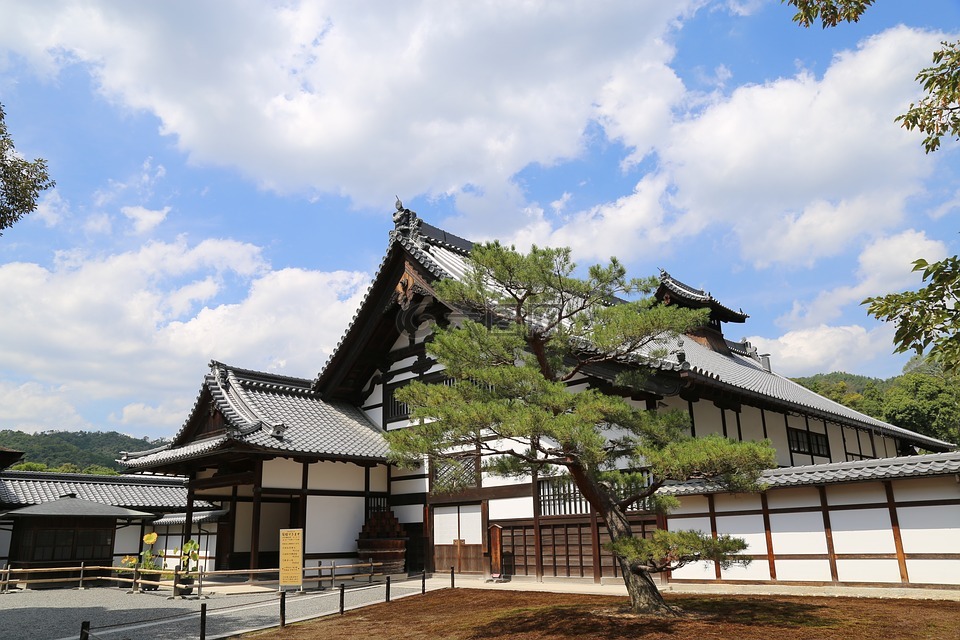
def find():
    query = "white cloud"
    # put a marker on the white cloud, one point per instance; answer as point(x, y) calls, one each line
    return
point(113, 328)
point(884, 266)
point(145, 220)
point(801, 166)
point(52, 209)
point(22, 404)
point(297, 97)
point(824, 348)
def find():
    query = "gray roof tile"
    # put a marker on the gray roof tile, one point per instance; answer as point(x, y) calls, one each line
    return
point(933, 464)
point(277, 413)
point(23, 488)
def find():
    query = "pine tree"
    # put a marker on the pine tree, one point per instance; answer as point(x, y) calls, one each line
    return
point(524, 327)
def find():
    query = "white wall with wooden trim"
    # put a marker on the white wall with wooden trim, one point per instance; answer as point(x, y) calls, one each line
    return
point(905, 531)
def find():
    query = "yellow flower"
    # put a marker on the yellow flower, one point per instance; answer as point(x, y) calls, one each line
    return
point(150, 538)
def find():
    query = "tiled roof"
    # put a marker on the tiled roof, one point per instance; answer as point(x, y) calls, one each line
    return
point(695, 295)
point(933, 464)
point(445, 256)
point(276, 413)
point(23, 488)
point(746, 374)
point(73, 507)
point(199, 517)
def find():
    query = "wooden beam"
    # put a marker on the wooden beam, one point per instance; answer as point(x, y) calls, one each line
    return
point(226, 480)
point(713, 531)
point(828, 533)
point(771, 556)
point(895, 526)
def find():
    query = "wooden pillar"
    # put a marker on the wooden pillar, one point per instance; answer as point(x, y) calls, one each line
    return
point(771, 556)
point(595, 546)
point(188, 522)
point(763, 422)
point(304, 484)
point(828, 532)
point(693, 423)
point(537, 542)
point(429, 560)
point(255, 524)
point(895, 526)
point(713, 531)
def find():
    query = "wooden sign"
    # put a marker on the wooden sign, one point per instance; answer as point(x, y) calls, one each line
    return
point(291, 557)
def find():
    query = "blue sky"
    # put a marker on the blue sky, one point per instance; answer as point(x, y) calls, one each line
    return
point(226, 174)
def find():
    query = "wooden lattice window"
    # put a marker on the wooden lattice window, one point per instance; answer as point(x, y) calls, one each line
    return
point(455, 473)
point(808, 442)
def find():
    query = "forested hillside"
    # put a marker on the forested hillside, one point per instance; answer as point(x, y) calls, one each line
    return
point(72, 451)
point(925, 398)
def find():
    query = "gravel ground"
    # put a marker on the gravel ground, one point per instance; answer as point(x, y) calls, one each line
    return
point(55, 614)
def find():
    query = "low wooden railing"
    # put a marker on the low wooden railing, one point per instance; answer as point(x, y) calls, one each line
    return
point(174, 579)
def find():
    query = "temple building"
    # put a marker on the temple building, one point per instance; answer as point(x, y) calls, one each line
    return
point(271, 452)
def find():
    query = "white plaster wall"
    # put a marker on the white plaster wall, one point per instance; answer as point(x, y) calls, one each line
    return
point(835, 437)
point(696, 571)
point(282, 473)
point(457, 522)
point(333, 524)
point(751, 425)
point(399, 472)
point(865, 445)
point(690, 524)
point(749, 528)
point(706, 418)
point(856, 493)
point(933, 571)
point(471, 524)
point(401, 487)
point(446, 525)
point(336, 475)
point(930, 529)
point(862, 531)
point(408, 513)
point(803, 570)
point(797, 533)
point(876, 570)
point(490, 480)
point(777, 433)
point(942, 488)
point(273, 517)
point(691, 504)
point(378, 478)
point(375, 414)
point(126, 540)
point(507, 508)
point(736, 501)
point(789, 498)
point(756, 570)
point(376, 395)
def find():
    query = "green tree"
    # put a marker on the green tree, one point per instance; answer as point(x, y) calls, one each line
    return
point(21, 181)
point(29, 466)
point(529, 327)
point(925, 399)
point(937, 114)
point(926, 319)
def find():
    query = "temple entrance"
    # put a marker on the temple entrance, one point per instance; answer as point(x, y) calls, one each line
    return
point(458, 538)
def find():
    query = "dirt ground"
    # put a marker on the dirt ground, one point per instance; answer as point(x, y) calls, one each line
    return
point(472, 614)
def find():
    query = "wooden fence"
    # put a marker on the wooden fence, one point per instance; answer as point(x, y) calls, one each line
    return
point(180, 581)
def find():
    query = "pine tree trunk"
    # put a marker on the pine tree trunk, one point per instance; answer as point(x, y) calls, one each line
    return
point(644, 595)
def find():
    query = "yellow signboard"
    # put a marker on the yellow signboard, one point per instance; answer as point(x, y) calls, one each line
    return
point(291, 557)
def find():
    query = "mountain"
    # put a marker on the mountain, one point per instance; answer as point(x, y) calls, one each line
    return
point(79, 449)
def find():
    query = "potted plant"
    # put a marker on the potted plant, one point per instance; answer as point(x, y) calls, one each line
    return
point(190, 552)
point(146, 559)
